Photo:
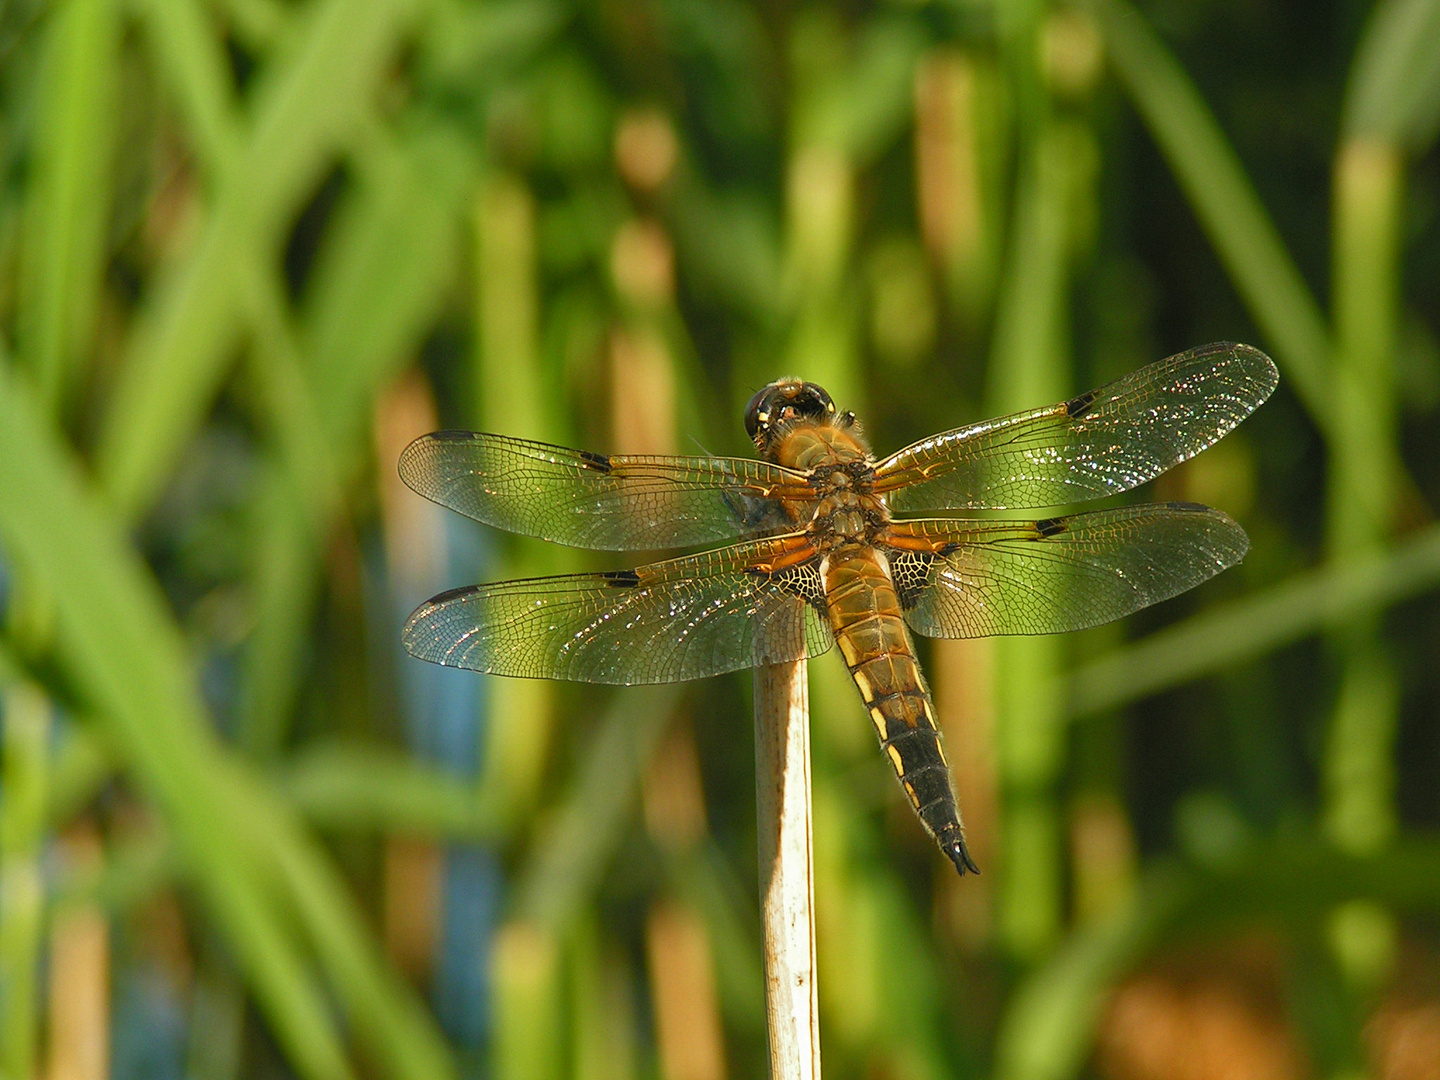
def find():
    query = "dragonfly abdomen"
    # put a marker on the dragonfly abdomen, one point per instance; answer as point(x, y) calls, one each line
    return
point(865, 614)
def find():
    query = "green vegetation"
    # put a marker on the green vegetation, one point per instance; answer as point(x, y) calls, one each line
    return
point(249, 248)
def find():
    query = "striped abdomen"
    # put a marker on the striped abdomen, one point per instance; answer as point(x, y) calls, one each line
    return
point(865, 614)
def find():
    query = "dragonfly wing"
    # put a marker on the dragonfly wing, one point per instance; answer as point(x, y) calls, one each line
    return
point(670, 621)
point(1097, 444)
point(978, 578)
point(599, 501)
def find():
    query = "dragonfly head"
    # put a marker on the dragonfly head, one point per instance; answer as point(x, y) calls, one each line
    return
point(781, 404)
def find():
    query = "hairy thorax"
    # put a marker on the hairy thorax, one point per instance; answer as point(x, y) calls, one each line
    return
point(847, 512)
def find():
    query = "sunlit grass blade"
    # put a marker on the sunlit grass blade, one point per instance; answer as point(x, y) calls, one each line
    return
point(572, 852)
point(820, 217)
point(66, 223)
point(1214, 181)
point(360, 789)
point(508, 390)
point(877, 97)
point(139, 683)
point(511, 395)
point(25, 712)
point(374, 293)
point(1394, 90)
point(177, 355)
point(1359, 772)
point(191, 58)
point(1364, 411)
point(284, 583)
point(389, 1018)
point(377, 288)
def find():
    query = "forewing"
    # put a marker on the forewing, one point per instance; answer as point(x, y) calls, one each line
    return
point(1046, 577)
point(607, 503)
point(667, 622)
point(1097, 444)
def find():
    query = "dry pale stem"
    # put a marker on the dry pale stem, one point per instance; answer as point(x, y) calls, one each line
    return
point(787, 892)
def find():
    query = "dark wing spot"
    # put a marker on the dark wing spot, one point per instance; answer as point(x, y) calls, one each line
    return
point(621, 579)
point(450, 594)
point(597, 462)
point(1077, 407)
point(910, 571)
point(803, 581)
point(453, 436)
point(1192, 506)
point(1050, 526)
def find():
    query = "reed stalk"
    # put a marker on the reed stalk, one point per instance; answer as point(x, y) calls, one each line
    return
point(785, 848)
point(24, 770)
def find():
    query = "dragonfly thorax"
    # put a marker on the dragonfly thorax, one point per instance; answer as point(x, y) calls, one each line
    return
point(848, 514)
point(830, 452)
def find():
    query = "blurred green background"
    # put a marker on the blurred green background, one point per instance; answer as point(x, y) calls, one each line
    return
point(249, 248)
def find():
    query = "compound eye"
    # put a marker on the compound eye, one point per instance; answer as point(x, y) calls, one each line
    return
point(813, 401)
point(757, 412)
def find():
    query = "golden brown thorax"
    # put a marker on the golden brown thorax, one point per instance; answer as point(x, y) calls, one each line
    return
point(795, 424)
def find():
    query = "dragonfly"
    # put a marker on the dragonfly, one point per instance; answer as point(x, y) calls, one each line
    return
point(822, 554)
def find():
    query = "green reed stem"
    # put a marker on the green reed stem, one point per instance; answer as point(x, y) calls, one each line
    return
point(566, 864)
point(1027, 366)
point(24, 766)
point(512, 397)
point(1359, 766)
point(65, 222)
point(528, 1041)
point(1359, 770)
point(180, 348)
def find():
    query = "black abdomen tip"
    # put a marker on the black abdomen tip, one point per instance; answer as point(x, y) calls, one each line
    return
point(953, 844)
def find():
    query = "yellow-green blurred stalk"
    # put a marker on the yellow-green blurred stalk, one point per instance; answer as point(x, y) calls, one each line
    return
point(66, 219)
point(1029, 367)
point(957, 151)
point(512, 399)
point(820, 216)
point(1359, 770)
point(602, 1007)
point(525, 970)
point(24, 764)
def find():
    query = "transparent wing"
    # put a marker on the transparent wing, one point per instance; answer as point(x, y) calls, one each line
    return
point(978, 578)
point(667, 622)
point(607, 503)
point(1097, 444)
